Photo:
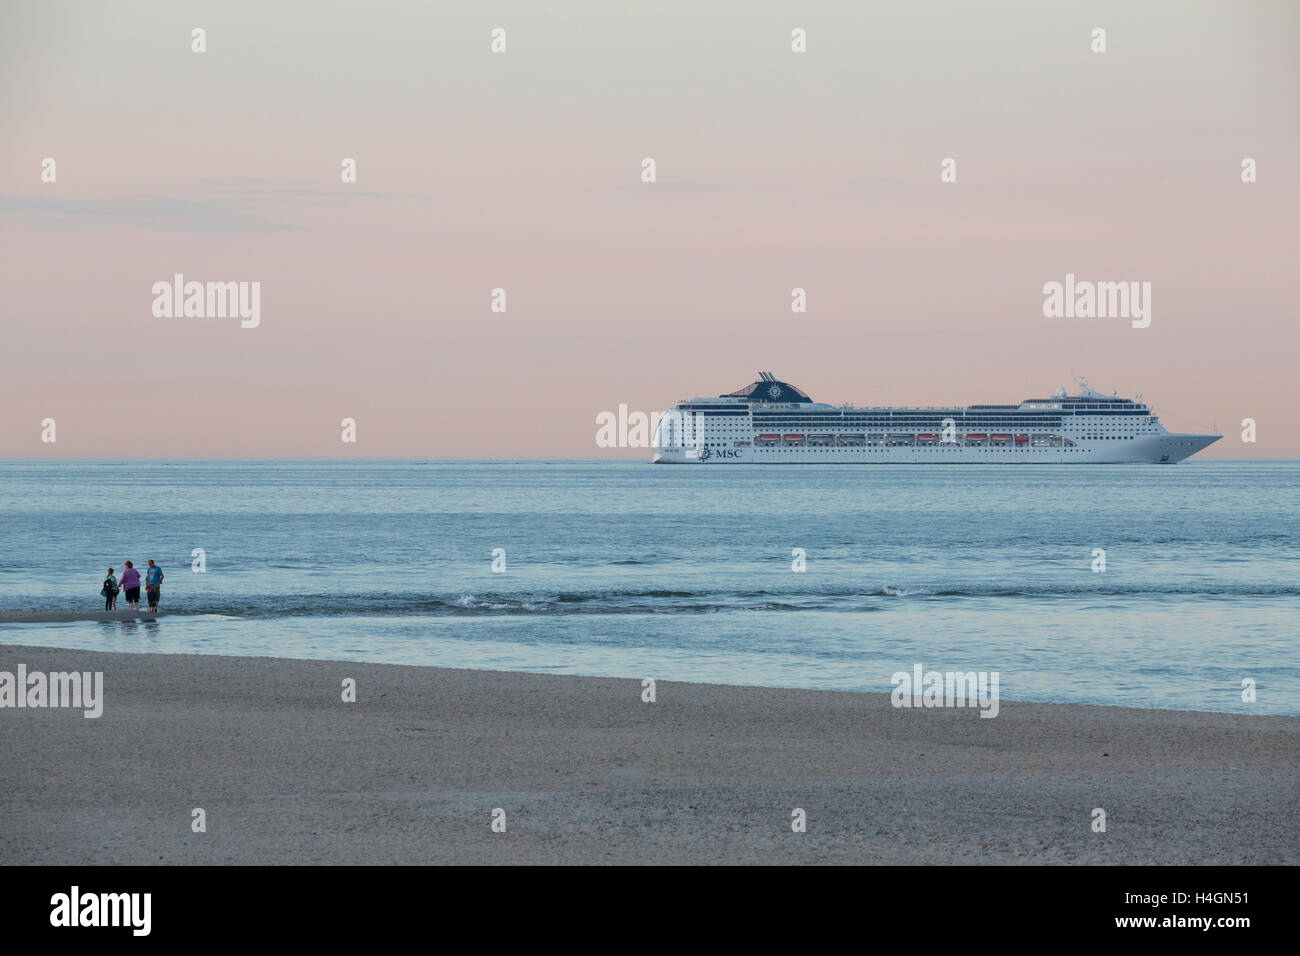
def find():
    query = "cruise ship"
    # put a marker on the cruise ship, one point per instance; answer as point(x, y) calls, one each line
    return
point(772, 422)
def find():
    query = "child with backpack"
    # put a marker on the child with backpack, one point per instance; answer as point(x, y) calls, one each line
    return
point(109, 590)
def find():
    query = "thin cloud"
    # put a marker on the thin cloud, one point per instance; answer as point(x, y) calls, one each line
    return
point(231, 210)
point(146, 212)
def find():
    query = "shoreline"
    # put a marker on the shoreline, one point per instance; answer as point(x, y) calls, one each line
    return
point(58, 617)
point(587, 773)
point(69, 617)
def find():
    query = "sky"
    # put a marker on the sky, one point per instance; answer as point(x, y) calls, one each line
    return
point(522, 170)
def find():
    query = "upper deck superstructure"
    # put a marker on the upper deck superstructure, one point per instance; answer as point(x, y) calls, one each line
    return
point(771, 421)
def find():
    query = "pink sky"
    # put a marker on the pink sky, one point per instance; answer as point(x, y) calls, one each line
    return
point(521, 170)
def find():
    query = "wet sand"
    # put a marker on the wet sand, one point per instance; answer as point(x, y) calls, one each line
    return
point(588, 773)
point(63, 617)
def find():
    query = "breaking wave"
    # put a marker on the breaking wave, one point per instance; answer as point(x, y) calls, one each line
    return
point(666, 601)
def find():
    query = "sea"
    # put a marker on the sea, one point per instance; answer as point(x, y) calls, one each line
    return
point(1142, 586)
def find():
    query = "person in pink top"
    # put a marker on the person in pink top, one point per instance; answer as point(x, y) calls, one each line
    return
point(131, 585)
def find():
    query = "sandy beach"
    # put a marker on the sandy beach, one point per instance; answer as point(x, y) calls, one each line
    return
point(587, 773)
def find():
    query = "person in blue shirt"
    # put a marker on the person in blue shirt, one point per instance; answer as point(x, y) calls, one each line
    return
point(153, 584)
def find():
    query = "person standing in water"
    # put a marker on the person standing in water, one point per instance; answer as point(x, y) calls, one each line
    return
point(153, 584)
point(131, 585)
point(109, 590)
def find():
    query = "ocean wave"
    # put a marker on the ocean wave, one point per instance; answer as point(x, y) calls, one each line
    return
point(701, 601)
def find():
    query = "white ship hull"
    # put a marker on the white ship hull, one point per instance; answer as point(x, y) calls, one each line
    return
point(1164, 450)
point(754, 427)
